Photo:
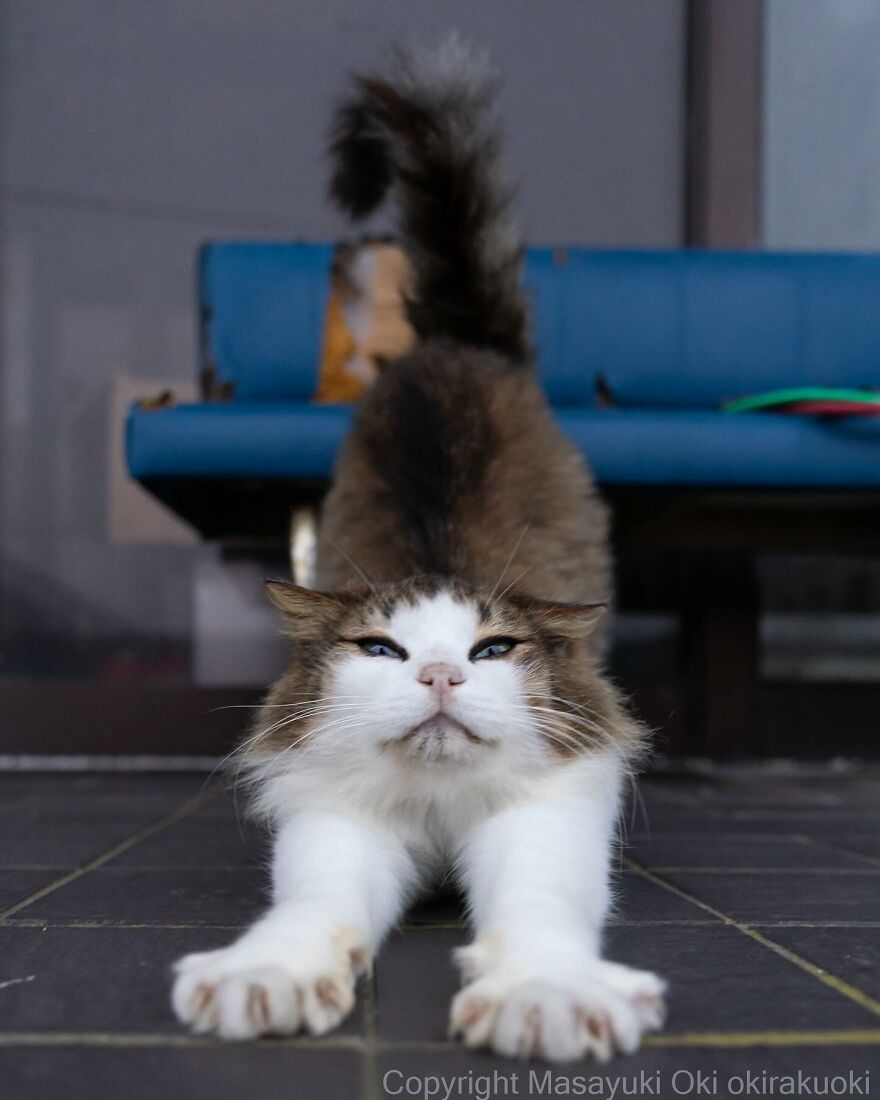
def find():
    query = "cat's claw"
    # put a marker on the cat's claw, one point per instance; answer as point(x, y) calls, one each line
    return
point(222, 992)
point(608, 1011)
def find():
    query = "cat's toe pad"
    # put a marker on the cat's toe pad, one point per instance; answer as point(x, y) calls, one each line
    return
point(558, 1020)
point(644, 992)
point(237, 999)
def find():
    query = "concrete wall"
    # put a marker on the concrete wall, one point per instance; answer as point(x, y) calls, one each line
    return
point(131, 131)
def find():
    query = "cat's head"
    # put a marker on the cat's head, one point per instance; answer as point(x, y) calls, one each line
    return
point(436, 672)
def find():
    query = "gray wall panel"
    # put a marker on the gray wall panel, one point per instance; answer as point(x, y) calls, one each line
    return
point(821, 174)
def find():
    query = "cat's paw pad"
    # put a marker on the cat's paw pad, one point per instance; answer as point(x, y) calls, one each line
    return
point(559, 1021)
point(241, 1000)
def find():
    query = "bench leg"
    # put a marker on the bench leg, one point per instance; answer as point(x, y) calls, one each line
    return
point(721, 651)
point(302, 538)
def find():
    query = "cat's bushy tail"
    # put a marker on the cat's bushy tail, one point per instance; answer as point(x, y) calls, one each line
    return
point(427, 130)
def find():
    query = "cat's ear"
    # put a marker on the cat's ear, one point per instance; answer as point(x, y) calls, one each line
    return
point(307, 613)
point(567, 620)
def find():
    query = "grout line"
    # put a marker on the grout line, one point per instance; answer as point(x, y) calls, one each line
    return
point(675, 923)
point(182, 811)
point(138, 764)
point(818, 814)
point(733, 838)
point(677, 800)
point(100, 926)
point(33, 867)
point(719, 1039)
point(842, 849)
point(690, 869)
point(815, 924)
point(369, 1018)
point(823, 871)
point(831, 980)
point(765, 1039)
point(219, 868)
point(109, 1039)
point(728, 1039)
point(97, 926)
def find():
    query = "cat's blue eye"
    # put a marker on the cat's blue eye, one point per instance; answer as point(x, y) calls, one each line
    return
point(381, 647)
point(496, 648)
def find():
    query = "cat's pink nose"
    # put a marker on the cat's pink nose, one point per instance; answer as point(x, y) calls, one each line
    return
point(441, 677)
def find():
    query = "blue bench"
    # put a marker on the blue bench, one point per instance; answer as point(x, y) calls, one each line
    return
point(637, 351)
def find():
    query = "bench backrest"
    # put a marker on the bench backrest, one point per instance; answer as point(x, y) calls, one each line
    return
point(658, 328)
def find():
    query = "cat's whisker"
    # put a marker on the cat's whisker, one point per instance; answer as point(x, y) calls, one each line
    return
point(541, 724)
point(566, 702)
point(567, 717)
point(616, 727)
point(509, 560)
point(560, 729)
point(563, 740)
point(605, 723)
point(307, 741)
point(516, 580)
point(306, 713)
point(268, 706)
point(241, 749)
point(354, 565)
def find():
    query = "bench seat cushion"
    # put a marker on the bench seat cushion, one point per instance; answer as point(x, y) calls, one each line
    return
point(624, 446)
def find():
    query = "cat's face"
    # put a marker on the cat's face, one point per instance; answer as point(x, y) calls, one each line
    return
point(431, 672)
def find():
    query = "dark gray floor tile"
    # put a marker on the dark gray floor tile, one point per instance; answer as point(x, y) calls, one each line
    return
point(415, 981)
point(229, 801)
point(769, 794)
point(721, 980)
point(229, 1072)
point(20, 787)
point(858, 789)
point(64, 820)
point(16, 884)
point(649, 812)
point(94, 979)
point(735, 851)
point(824, 824)
point(852, 954)
point(157, 896)
point(650, 816)
point(797, 896)
point(114, 980)
point(200, 841)
point(69, 841)
point(638, 899)
point(649, 1072)
point(866, 845)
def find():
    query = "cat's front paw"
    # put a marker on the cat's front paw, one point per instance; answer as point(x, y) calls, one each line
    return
point(560, 1019)
point(240, 995)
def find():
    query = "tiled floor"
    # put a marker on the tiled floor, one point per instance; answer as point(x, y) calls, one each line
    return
point(758, 898)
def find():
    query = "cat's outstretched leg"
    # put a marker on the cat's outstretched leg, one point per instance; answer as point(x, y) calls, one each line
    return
point(338, 885)
point(537, 878)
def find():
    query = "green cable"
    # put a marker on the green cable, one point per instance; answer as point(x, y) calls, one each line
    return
point(803, 393)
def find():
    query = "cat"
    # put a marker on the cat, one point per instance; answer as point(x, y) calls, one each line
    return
point(445, 709)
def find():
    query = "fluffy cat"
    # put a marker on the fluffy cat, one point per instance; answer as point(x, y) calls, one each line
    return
point(445, 707)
